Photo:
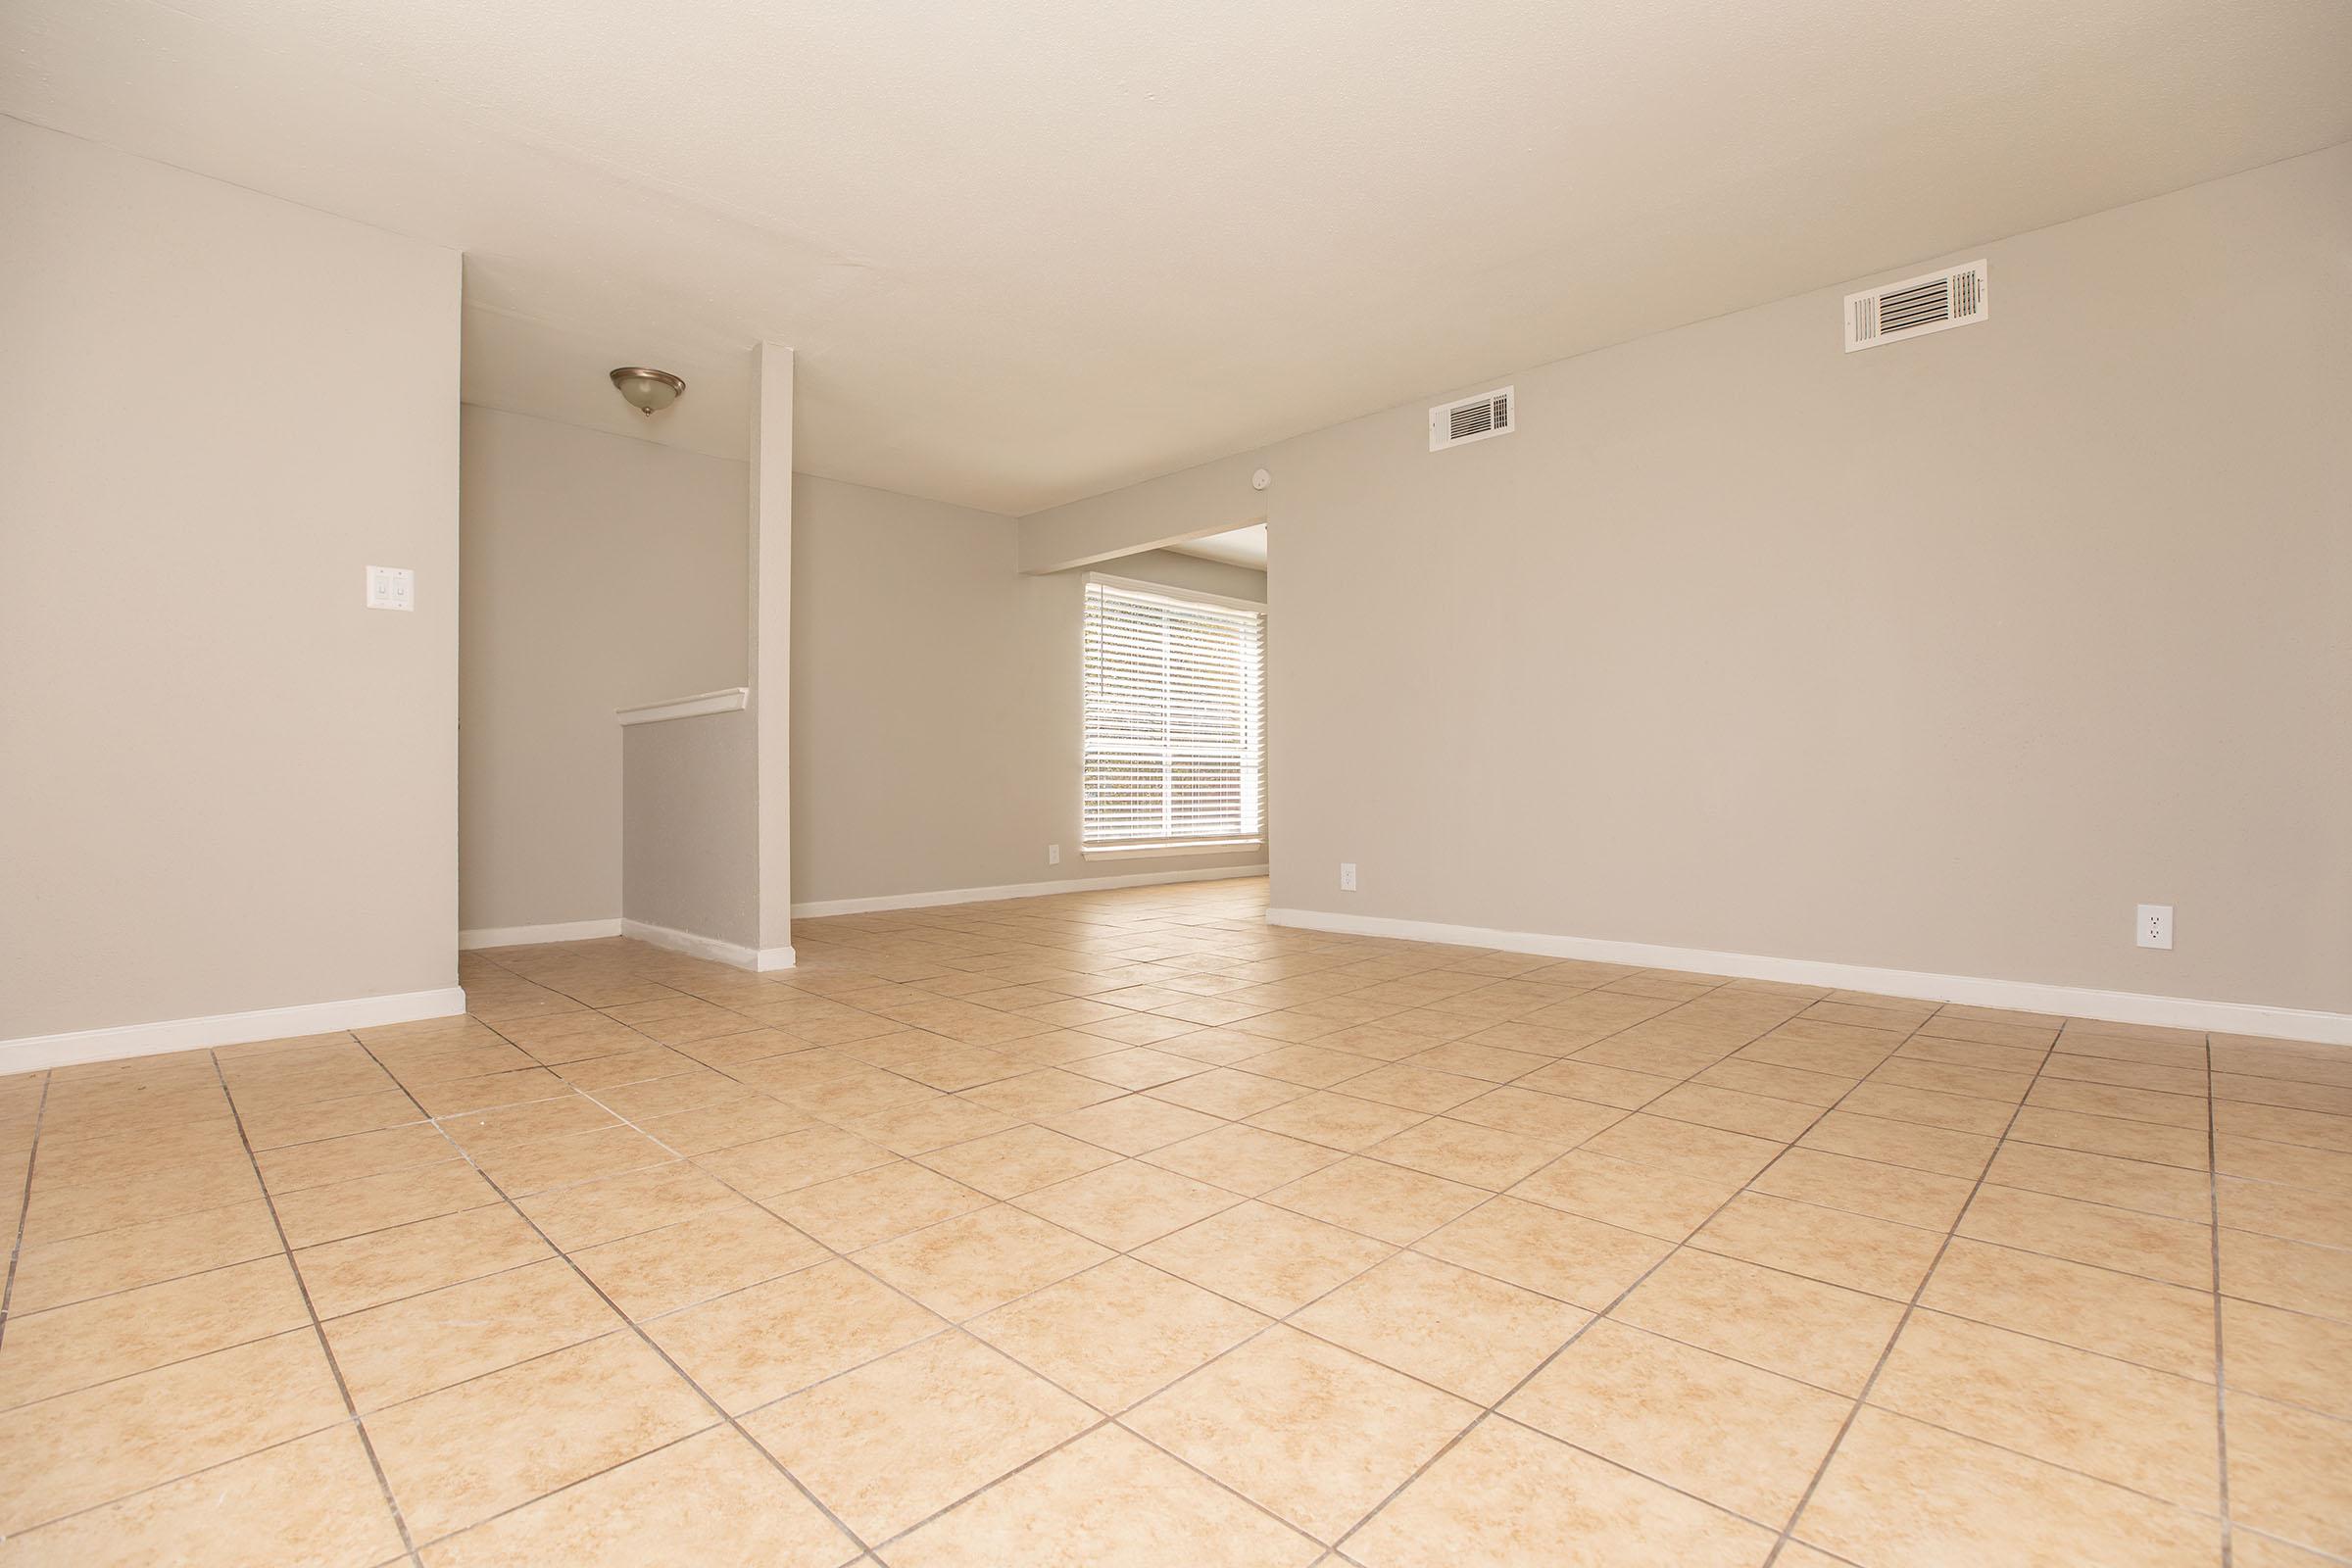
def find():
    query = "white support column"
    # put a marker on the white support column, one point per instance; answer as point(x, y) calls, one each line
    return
point(771, 642)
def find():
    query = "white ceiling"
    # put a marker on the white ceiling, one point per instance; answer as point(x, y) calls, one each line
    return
point(1236, 546)
point(1031, 250)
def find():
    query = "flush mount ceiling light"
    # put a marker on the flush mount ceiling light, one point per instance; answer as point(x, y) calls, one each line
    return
point(649, 392)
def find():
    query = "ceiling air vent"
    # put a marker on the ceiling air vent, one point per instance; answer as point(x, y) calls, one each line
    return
point(1473, 419)
point(1915, 307)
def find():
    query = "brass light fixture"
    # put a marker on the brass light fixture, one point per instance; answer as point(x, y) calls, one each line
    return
point(649, 392)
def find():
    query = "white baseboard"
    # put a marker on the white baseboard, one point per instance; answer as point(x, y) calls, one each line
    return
point(2022, 995)
point(1018, 890)
point(695, 944)
point(515, 935)
point(34, 1051)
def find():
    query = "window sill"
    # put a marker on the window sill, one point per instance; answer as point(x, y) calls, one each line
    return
point(1138, 852)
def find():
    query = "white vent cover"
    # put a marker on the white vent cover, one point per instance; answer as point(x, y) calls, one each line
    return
point(1450, 424)
point(1917, 305)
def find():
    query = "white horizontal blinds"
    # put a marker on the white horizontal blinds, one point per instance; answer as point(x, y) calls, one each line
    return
point(1175, 729)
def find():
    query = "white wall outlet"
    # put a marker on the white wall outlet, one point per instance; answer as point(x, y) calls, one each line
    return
point(1053, 855)
point(1346, 876)
point(2155, 925)
point(391, 588)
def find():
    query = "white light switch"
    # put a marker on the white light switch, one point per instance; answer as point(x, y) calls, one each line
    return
point(391, 588)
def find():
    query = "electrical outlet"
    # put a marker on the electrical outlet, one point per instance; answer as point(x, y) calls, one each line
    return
point(1346, 876)
point(2155, 925)
point(1053, 855)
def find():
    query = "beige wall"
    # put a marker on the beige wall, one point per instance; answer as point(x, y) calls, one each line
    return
point(226, 785)
point(935, 699)
point(1939, 656)
point(601, 572)
point(689, 845)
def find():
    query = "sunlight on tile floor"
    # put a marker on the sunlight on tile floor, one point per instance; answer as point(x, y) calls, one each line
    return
point(1122, 1229)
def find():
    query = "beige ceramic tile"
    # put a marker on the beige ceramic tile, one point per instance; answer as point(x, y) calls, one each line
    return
point(2122, 1316)
point(2152, 1143)
point(961, 1267)
point(2294, 1213)
point(421, 1342)
point(2289, 1274)
point(1820, 1334)
point(1467, 1153)
point(1390, 1202)
point(1651, 1199)
point(1563, 1256)
point(1107, 1501)
point(79, 1450)
point(1897, 1192)
point(1851, 1249)
point(1508, 1497)
point(2288, 1356)
point(679, 1265)
point(1899, 1492)
point(1264, 1258)
point(2094, 1178)
point(2175, 1252)
point(1734, 1110)
point(1226, 1091)
point(343, 1159)
point(1245, 1160)
point(2150, 1431)
point(1705, 1151)
point(1556, 1118)
point(131, 1255)
point(458, 1457)
point(1337, 1120)
point(1117, 1333)
point(1022, 1159)
point(375, 1203)
point(1895, 1143)
point(1133, 1124)
point(923, 1126)
point(710, 1500)
point(1743, 1439)
point(368, 1270)
point(614, 1207)
point(313, 1500)
point(1463, 1331)
point(1125, 1204)
point(792, 1160)
point(874, 1205)
point(2290, 1473)
point(898, 1439)
point(525, 1168)
point(69, 1348)
point(2247, 1550)
point(776, 1338)
point(1315, 1434)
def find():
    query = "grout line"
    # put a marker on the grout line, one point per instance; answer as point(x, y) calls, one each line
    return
point(16, 1249)
point(2221, 1382)
point(383, 1482)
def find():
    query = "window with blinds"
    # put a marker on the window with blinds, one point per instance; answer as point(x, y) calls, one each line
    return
point(1175, 721)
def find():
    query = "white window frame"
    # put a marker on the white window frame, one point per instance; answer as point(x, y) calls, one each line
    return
point(1140, 850)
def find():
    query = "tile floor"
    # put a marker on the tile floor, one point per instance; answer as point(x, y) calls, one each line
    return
point(1122, 1229)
